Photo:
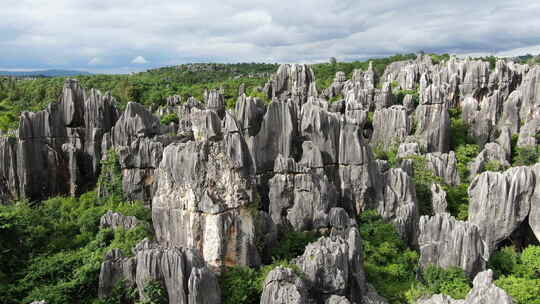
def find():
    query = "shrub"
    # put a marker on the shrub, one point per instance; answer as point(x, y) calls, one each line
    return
point(522, 290)
point(56, 247)
point(240, 285)
point(423, 179)
point(110, 178)
point(494, 166)
point(389, 264)
point(293, 244)
point(336, 98)
point(167, 119)
point(525, 156)
point(518, 274)
point(465, 154)
point(457, 198)
point(452, 281)
point(505, 261)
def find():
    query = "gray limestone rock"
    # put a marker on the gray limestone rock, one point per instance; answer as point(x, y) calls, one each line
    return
point(492, 152)
point(203, 201)
point(500, 202)
point(135, 122)
point(301, 196)
point(399, 203)
point(115, 268)
point(390, 127)
point(438, 199)
point(181, 271)
point(446, 242)
point(283, 286)
point(322, 128)
point(408, 149)
point(206, 125)
point(278, 133)
point(215, 102)
point(117, 220)
point(432, 127)
point(333, 265)
point(249, 113)
point(444, 165)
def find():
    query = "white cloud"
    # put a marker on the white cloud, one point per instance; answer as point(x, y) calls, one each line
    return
point(65, 33)
point(95, 61)
point(139, 60)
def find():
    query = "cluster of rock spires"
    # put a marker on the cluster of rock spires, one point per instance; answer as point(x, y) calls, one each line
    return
point(223, 184)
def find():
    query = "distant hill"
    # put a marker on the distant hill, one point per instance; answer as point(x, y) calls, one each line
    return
point(44, 73)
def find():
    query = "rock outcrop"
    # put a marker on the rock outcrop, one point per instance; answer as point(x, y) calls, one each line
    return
point(203, 201)
point(500, 202)
point(181, 271)
point(445, 242)
point(117, 220)
point(284, 286)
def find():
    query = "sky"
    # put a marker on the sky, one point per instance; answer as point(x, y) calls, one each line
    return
point(122, 36)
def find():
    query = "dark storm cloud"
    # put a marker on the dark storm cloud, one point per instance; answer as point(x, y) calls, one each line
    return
point(122, 35)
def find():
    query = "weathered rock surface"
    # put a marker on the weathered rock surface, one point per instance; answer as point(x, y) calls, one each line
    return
point(203, 202)
point(432, 127)
point(277, 136)
point(444, 165)
point(58, 150)
point(181, 271)
point(301, 194)
point(399, 203)
point(438, 199)
point(500, 202)
point(492, 152)
point(284, 286)
point(135, 122)
point(390, 127)
point(115, 268)
point(446, 242)
point(117, 220)
point(333, 265)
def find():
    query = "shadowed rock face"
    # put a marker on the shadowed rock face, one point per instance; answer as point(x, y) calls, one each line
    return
point(58, 150)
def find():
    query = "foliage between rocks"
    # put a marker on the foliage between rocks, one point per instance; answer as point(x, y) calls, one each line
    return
point(518, 273)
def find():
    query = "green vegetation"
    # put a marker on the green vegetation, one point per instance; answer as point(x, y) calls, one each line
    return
point(400, 95)
point(436, 59)
point(525, 156)
point(390, 155)
point(423, 179)
point(109, 183)
point(292, 244)
point(55, 248)
point(167, 119)
point(452, 281)
point(390, 266)
point(244, 285)
point(155, 293)
point(518, 273)
point(149, 88)
point(494, 166)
